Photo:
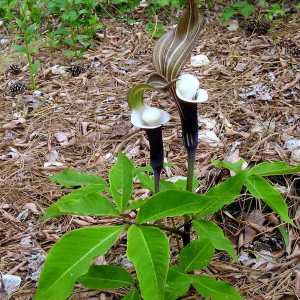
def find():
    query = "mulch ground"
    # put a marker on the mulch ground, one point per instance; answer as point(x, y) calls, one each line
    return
point(82, 122)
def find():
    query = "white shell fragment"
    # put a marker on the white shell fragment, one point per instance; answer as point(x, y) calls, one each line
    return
point(151, 116)
point(137, 119)
point(187, 89)
point(199, 60)
point(291, 144)
point(11, 283)
point(295, 155)
point(210, 138)
point(232, 25)
point(58, 70)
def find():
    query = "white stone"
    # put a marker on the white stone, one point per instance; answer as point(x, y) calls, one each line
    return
point(295, 155)
point(11, 283)
point(199, 60)
point(210, 138)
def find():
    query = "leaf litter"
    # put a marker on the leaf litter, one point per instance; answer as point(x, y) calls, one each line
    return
point(84, 121)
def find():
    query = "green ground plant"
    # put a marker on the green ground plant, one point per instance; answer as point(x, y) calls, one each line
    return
point(69, 260)
point(242, 7)
point(28, 36)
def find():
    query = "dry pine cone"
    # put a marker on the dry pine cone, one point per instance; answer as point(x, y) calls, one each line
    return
point(14, 68)
point(16, 87)
point(260, 26)
point(76, 70)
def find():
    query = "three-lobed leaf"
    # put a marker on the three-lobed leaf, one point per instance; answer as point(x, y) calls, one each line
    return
point(210, 230)
point(148, 249)
point(261, 189)
point(106, 277)
point(121, 181)
point(70, 258)
point(69, 178)
point(196, 255)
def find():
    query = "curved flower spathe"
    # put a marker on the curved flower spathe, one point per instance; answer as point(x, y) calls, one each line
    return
point(187, 89)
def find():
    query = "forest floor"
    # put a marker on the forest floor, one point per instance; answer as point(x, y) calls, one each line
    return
point(82, 122)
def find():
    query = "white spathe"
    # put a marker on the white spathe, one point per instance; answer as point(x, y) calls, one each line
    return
point(187, 89)
point(149, 117)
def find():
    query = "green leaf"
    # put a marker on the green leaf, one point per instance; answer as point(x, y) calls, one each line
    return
point(275, 168)
point(32, 50)
point(210, 230)
point(79, 194)
point(261, 189)
point(148, 249)
point(148, 183)
point(70, 258)
point(121, 181)
point(177, 283)
point(82, 37)
point(235, 167)
point(155, 29)
point(70, 178)
point(132, 295)
point(19, 48)
point(36, 66)
point(196, 255)
point(136, 204)
point(29, 30)
point(172, 203)
point(244, 8)
point(106, 277)
point(227, 14)
point(217, 290)
point(91, 204)
point(284, 235)
point(223, 193)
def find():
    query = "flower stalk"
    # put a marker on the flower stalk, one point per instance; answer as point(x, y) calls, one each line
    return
point(156, 153)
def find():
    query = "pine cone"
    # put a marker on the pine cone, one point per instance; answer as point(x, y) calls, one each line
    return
point(260, 26)
point(76, 70)
point(14, 68)
point(16, 87)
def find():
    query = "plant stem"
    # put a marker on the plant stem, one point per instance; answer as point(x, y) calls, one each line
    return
point(191, 155)
point(166, 228)
point(29, 63)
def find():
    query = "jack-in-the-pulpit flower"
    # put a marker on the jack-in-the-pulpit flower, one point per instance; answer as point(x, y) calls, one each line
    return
point(151, 119)
point(169, 56)
point(187, 89)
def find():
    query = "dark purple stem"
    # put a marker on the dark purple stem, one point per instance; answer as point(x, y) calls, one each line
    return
point(156, 153)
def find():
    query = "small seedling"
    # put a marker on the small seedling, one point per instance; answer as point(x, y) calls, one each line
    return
point(27, 36)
